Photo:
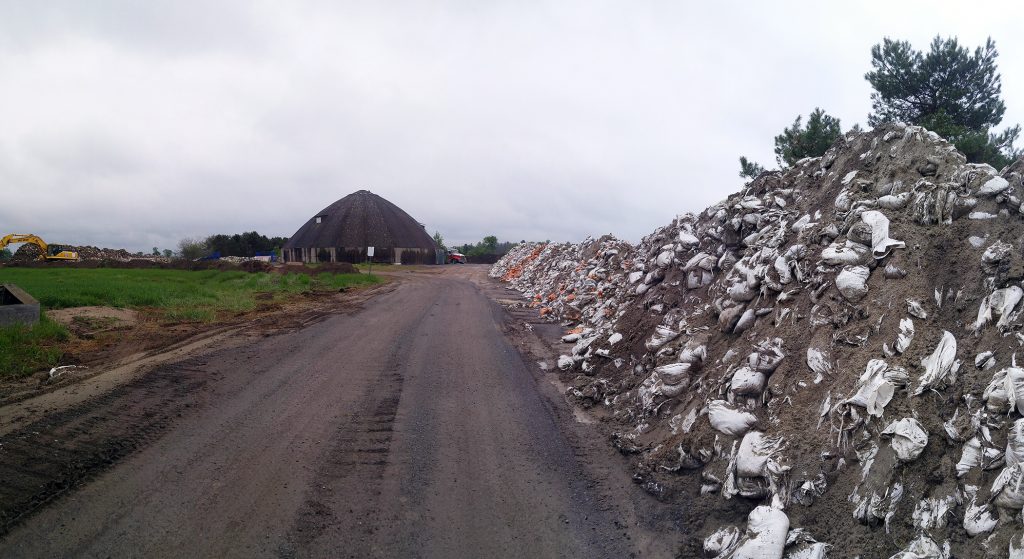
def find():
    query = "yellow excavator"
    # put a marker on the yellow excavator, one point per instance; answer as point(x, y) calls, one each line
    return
point(46, 252)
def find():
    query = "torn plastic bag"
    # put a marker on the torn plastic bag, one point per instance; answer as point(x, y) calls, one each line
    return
point(1008, 488)
point(908, 438)
point(941, 366)
point(729, 420)
point(852, 282)
point(875, 391)
point(916, 309)
point(1000, 303)
point(932, 513)
point(881, 244)
point(765, 538)
point(905, 336)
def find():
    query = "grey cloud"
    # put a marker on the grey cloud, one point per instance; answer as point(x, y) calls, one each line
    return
point(135, 124)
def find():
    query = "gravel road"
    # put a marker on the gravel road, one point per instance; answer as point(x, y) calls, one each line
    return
point(412, 428)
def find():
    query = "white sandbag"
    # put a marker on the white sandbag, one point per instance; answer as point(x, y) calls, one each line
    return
point(819, 362)
point(916, 309)
point(1008, 488)
point(908, 438)
point(985, 360)
point(747, 382)
point(1006, 391)
point(941, 366)
point(922, 548)
point(932, 513)
point(905, 336)
point(565, 362)
point(674, 373)
point(970, 457)
point(993, 186)
point(979, 519)
point(661, 336)
point(687, 238)
point(693, 356)
point(727, 419)
point(852, 282)
point(765, 537)
point(755, 450)
point(881, 244)
point(747, 319)
point(721, 541)
point(614, 338)
point(767, 356)
point(1015, 444)
point(894, 201)
point(1016, 547)
point(849, 253)
point(874, 391)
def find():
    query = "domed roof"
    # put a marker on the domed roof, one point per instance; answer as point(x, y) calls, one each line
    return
point(361, 219)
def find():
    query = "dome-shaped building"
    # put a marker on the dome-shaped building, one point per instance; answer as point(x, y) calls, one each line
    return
point(342, 232)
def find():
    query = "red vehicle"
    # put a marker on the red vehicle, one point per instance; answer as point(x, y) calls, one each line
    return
point(456, 257)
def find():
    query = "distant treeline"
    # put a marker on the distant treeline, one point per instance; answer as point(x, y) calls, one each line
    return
point(489, 245)
point(245, 244)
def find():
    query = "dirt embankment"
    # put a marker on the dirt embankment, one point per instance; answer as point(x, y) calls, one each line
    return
point(829, 353)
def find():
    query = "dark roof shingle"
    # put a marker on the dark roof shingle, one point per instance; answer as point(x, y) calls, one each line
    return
point(361, 219)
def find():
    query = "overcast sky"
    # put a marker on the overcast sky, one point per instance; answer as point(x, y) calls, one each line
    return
point(134, 124)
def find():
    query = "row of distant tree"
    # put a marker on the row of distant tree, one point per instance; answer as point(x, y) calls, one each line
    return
point(488, 246)
point(948, 90)
point(239, 244)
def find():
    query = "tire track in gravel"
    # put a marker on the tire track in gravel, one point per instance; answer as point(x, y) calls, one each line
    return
point(52, 456)
point(343, 497)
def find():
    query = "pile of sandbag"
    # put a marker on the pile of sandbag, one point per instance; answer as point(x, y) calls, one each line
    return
point(852, 322)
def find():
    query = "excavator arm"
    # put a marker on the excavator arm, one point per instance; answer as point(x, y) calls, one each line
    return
point(44, 249)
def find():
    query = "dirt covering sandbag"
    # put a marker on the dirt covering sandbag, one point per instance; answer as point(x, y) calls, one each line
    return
point(862, 285)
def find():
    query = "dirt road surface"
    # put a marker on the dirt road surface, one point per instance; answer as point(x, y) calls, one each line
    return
point(415, 427)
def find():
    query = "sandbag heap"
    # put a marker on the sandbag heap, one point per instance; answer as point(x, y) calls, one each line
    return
point(825, 362)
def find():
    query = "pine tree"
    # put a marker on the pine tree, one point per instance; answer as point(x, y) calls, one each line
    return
point(798, 142)
point(948, 90)
point(750, 169)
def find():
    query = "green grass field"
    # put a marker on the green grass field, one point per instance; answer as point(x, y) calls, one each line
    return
point(176, 296)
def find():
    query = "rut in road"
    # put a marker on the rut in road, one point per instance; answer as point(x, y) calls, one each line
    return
point(356, 461)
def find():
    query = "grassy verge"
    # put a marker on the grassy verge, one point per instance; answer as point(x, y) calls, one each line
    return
point(173, 296)
point(181, 295)
point(24, 350)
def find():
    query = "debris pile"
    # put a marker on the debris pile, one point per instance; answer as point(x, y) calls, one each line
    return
point(823, 362)
point(29, 252)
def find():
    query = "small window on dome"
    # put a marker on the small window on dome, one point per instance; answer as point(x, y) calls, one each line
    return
point(319, 219)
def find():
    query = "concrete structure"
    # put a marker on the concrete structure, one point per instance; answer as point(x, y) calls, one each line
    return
point(17, 307)
point(342, 231)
